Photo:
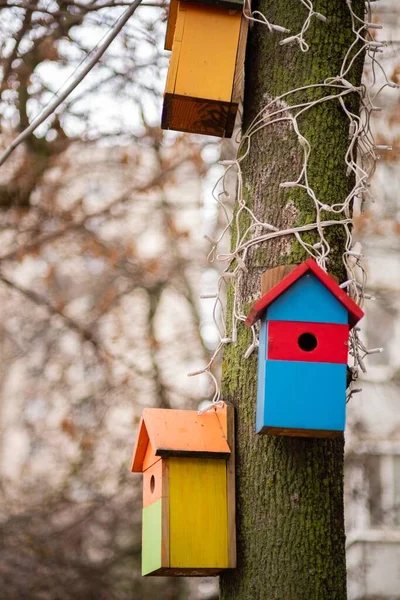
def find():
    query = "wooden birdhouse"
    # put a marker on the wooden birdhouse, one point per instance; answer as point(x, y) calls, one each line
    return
point(303, 350)
point(205, 76)
point(187, 461)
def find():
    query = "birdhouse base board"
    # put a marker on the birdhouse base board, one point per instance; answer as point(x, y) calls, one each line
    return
point(171, 572)
point(316, 433)
point(198, 115)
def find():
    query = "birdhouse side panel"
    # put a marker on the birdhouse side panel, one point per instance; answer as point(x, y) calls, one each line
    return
point(152, 538)
point(155, 482)
point(262, 353)
point(198, 513)
point(307, 300)
point(302, 395)
point(207, 54)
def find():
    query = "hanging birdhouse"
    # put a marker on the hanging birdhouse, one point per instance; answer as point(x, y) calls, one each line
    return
point(303, 349)
point(205, 76)
point(187, 461)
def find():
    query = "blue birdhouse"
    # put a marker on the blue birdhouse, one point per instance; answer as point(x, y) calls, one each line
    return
point(303, 350)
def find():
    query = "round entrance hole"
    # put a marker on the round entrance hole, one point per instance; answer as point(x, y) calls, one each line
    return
point(152, 483)
point(307, 342)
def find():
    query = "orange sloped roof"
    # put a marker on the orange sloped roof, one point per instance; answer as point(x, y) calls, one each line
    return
point(181, 433)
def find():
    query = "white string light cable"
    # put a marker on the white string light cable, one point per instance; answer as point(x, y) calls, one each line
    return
point(255, 16)
point(360, 161)
point(299, 38)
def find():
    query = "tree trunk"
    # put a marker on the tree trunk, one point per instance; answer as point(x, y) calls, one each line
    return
point(290, 518)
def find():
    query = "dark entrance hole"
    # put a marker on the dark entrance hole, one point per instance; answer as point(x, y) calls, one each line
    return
point(307, 342)
point(152, 483)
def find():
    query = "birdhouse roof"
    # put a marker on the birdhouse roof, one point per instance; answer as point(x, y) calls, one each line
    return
point(181, 433)
point(259, 307)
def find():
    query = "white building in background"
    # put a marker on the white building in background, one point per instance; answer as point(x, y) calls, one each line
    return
point(373, 416)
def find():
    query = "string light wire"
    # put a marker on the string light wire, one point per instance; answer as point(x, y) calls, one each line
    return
point(360, 160)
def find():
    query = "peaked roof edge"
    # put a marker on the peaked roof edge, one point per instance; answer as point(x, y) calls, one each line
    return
point(139, 451)
point(258, 308)
point(191, 440)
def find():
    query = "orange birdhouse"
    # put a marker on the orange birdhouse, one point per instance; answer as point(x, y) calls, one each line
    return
point(187, 461)
point(205, 76)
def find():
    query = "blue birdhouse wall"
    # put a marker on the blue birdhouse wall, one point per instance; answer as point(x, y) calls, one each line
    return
point(302, 359)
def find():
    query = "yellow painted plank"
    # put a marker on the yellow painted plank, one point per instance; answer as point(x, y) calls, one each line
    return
point(207, 55)
point(230, 486)
point(198, 513)
point(176, 51)
point(172, 15)
point(173, 69)
point(238, 84)
point(180, 22)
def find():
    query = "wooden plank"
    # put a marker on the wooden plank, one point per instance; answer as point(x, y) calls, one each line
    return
point(304, 395)
point(167, 452)
point(238, 81)
point(196, 115)
point(175, 56)
point(355, 312)
point(316, 433)
point(184, 431)
point(152, 483)
point(208, 52)
point(185, 572)
point(139, 451)
point(151, 538)
point(149, 458)
point(171, 24)
point(262, 352)
point(165, 553)
point(198, 513)
point(231, 488)
point(285, 341)
point(273, 276)
point(226, 416)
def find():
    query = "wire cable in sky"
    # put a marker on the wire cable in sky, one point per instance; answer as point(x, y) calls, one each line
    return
point(52, 106)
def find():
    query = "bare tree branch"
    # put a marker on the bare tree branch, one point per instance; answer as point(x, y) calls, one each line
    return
point(91, 63)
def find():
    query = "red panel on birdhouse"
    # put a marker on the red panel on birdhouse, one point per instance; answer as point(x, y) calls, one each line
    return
point(310, 342)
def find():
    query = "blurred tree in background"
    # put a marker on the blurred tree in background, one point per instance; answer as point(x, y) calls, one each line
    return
point(101, 263)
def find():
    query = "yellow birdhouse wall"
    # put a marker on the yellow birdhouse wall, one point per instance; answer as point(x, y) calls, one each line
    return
point(198, 518)
point(205, 75)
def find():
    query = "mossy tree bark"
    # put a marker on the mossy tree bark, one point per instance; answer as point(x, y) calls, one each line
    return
point(290, 518)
